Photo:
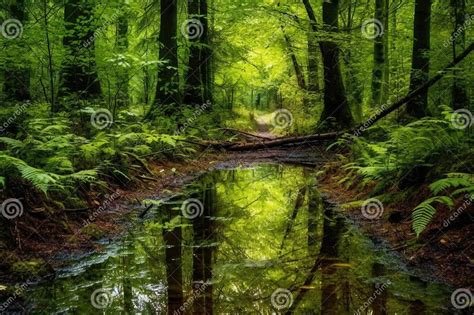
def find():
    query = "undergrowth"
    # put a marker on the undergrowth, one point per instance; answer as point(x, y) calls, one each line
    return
point(404, 158)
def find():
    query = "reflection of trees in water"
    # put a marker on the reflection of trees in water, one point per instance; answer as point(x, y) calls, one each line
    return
point(173, 259)
point(332, 230)
point(128, 261)
point(203, 252)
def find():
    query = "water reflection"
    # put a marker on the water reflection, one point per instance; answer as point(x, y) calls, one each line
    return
point(261, 229)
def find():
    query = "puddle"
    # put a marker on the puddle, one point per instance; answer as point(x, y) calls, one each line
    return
point(263, 242)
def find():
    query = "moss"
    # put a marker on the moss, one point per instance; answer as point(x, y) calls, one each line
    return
point(93, 231)
point(27, 268)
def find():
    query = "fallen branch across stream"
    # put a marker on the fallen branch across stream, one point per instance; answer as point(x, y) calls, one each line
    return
point(264, 143)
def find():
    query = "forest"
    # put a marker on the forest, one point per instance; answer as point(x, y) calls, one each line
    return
point(236, 157)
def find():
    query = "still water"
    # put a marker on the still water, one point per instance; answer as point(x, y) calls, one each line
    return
point(257, 240)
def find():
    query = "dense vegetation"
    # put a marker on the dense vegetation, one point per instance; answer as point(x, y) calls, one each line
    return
point(96, 93)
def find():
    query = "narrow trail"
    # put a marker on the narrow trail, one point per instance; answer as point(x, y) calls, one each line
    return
point(264, 129)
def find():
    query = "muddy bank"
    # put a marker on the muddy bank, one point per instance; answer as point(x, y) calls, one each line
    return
point(444, 250)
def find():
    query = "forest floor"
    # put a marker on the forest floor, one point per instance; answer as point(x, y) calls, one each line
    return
point(443, 253)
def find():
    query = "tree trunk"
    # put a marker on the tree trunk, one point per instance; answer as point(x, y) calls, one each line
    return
point(300, 80)
point(459, 92)
point(206, 53)
point(193, 93)
point(386, 73)
point(335, 100)
point(16, 86)
point(418, 107)
point(79, 71)
point(354, 87)
point(167, 88)
point(313, 72)
point(121, 44)
point(380, 43)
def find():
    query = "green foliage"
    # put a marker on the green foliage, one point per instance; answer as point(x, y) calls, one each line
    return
point(421, 143)
point(454, 180)
point(424, 212)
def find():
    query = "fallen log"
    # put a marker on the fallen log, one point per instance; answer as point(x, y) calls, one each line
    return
point(245, 134)
point(356, 131)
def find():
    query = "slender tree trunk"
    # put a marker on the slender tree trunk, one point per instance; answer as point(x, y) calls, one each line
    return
point(17, 77)
point(79, 71)
point(354, 87)
point(50, 57)
point(167, 89)
point(335, 100)
point(313, 71)
point(121, 45)
point(386, 73)
point(418, 107)
point(300, 80)
point(193, 93)
point(172, 238)
point(459, 92)
point(380, 43)
point(206, 54)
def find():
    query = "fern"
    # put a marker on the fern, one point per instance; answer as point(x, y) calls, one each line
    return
point(424, 212)
point(454, 180)
point(41, 179)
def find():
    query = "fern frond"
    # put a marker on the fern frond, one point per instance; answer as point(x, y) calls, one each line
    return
point(424, 212)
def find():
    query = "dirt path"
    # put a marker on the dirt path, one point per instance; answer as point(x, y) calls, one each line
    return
point(264, 129)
